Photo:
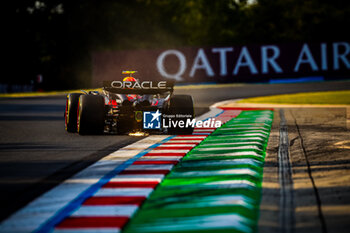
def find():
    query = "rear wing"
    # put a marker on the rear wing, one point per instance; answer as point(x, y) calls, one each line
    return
point(141, 88)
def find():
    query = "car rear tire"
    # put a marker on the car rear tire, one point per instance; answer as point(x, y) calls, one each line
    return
point(70, 115)
point(91, 114)
point(181, 104)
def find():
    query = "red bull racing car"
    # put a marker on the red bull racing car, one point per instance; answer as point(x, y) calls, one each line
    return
point(130, 106)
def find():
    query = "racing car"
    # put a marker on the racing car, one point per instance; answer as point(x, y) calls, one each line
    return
point(123, 107)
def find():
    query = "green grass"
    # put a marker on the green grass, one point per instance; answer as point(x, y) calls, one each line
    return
point(327, 97)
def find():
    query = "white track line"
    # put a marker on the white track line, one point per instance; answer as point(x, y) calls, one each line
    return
point(88, 230)
point(125, 192)
point(109, 210)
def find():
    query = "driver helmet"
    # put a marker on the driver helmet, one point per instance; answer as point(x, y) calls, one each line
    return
point(131, 97)
point(129, 79)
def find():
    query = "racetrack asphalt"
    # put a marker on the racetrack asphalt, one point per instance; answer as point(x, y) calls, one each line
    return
point(36, 153)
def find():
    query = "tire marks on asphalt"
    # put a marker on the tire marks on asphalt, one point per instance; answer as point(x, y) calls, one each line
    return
point(317, 196)
point(286, 215)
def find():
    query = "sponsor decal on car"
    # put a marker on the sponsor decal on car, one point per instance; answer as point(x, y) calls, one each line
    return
point(139, 85)
point(138, 116)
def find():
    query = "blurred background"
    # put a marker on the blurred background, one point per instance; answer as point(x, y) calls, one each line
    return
point(49, 43)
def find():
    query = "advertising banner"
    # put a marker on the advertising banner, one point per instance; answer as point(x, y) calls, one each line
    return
point(251, 63)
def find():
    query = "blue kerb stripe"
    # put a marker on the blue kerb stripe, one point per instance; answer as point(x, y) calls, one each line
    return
point(49, 225)
point(298, 80)
point(215, 115)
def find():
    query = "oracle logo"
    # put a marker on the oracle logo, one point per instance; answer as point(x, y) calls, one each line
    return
point(139, 85)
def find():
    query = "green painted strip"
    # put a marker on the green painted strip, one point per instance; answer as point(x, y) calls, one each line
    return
point(219, 172)
point(217, 223)
point(230, 148)
point(210, 201)
point(225, 139)
point(224, 156)
point(216, 187)
point(222, 163)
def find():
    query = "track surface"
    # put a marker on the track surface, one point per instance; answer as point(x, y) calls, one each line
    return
point(37, 154)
